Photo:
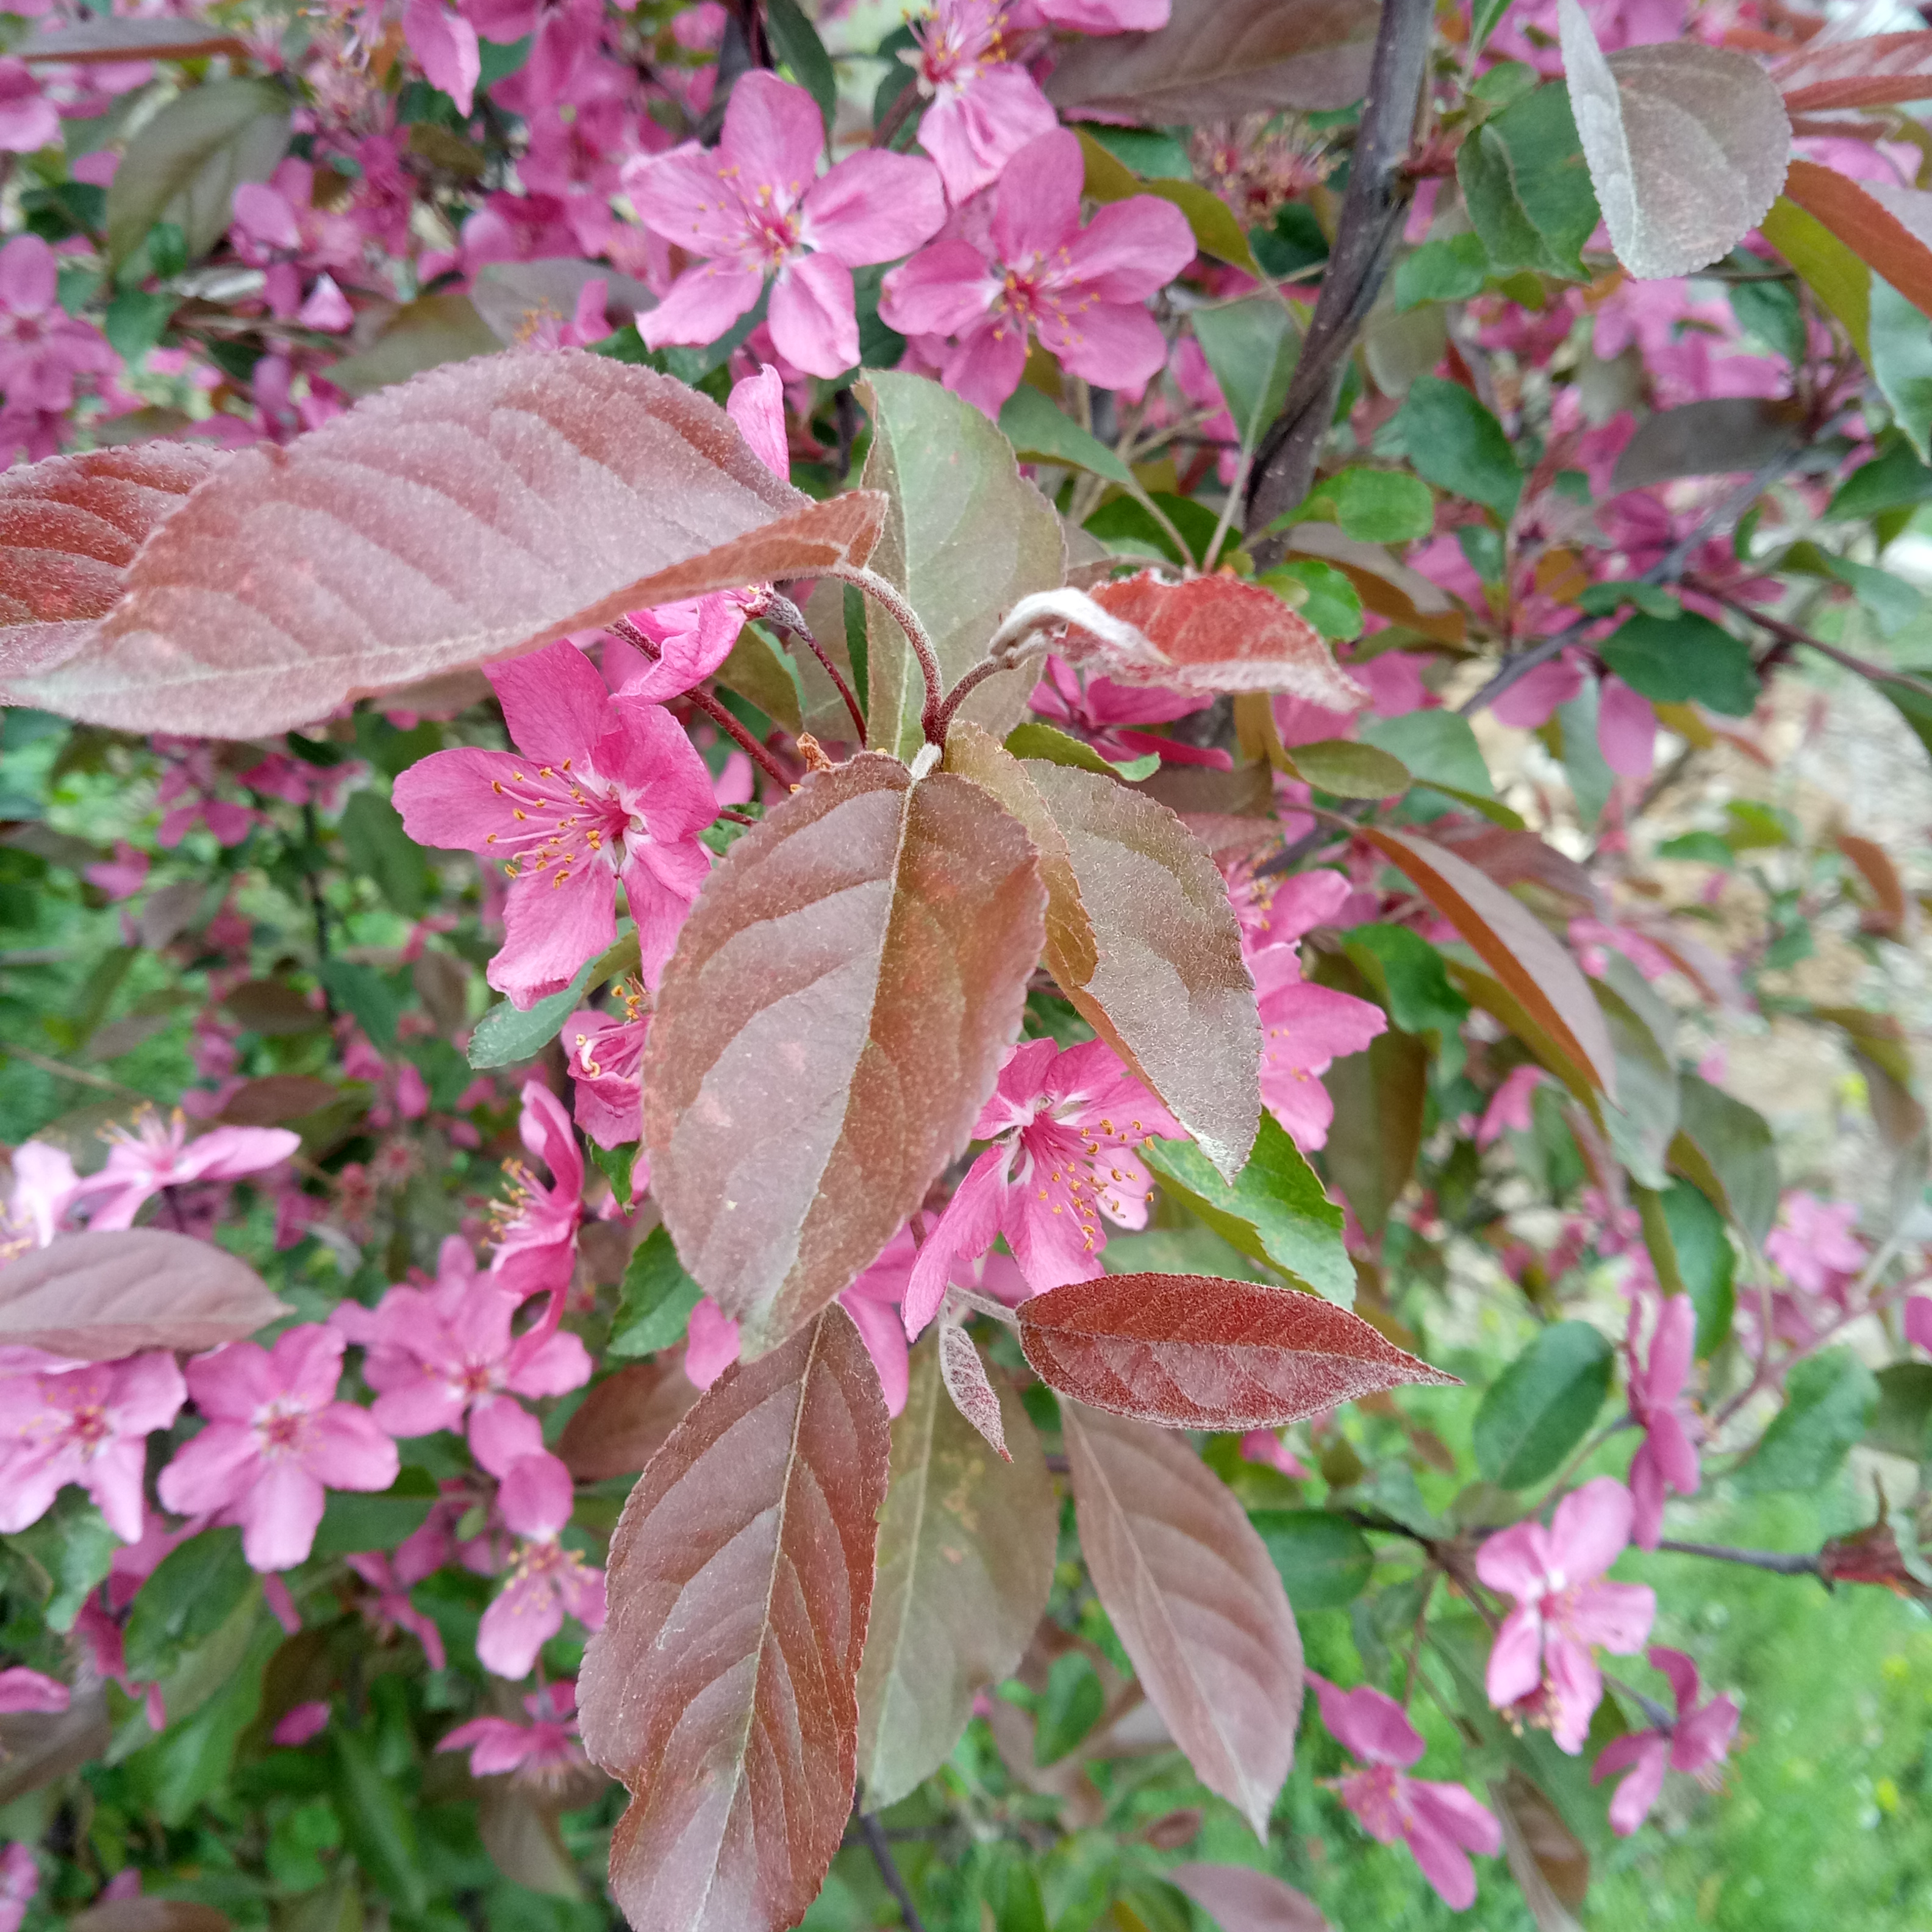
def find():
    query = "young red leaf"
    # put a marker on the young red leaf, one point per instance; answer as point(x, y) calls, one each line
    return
point(722, 1689)
point(1195, 1600)
point(1238, 1898)
point(1889, 229)
point(973, 1394)
point(1139, 936)
point(69, 528)
point(1515, 946)
point(1196, 1351)
point(623, 1422)
point(1686, 145)
point(966, 1554)
point(829, 1028)
point(97, 1298)
point(1212, 633)
point(1873, 71)
point(479, 510)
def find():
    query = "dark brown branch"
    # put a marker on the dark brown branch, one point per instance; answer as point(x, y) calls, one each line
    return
point(1790, 633)
point(880, 1848)
point(1778, 1564)
point(1373, 211)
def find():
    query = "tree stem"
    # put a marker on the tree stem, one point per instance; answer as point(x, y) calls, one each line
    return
point(890, 597)
point(1773, 1560)
point(876, 1843)
point(787, 615)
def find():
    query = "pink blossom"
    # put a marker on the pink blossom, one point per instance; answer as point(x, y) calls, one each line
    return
point(42, 347)
point(1564, 1607)
point(123, 875)
point(19, 1880)
point(1266, 1447)
point(536, 1227)
point(1104, 713)
point(90, 1425)
point(24, 1690)
point(1666, 1458)
point(1305, 1027)
point(298, 1726)
point(326, 308)
point(546, 1579)
point(985, 108)
point(605, 1055)
point(1626, 729)
point(1698, 1742)
point(756, 206)
point(1919, 1321)
point(29, 120)
point(276, 1440)
point(619, 793)
point(711, 1343)
point(391, 1578)
point(1033, 267)
point(1063, 1126)
point(44, 1185)
point(444, 44)
point(1441, 1823)
point(154, 1156)
point(1814, 1246)
point(1509, 1105)
point(544, 1753)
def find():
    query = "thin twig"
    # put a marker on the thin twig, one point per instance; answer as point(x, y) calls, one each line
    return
point(877, 1844)
point(886, 594)
point(704, 701)
point(1773, 1560)
point(80, 1076)
point(784, 612)
point(1791, 634)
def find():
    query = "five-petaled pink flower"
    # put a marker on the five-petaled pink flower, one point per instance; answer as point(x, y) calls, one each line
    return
point(601, 791)
point(546, 1579)
point(544, 1753)
point(88, 1425)
point(277, 1439)
point(417, 1555)
point(1063, 1126)
point(1698, 1742)
point(1441, 1823)
point(985, 107)
point(605, 1054)
point(536, 1226)
point(1667, 1458)
point(756, 206)
point(156, 1154)
point(1106, 714)
point(1509, 1105)
point(24, 1690)
point(1542, 1652)
point(42, 347)
point(1032, 268)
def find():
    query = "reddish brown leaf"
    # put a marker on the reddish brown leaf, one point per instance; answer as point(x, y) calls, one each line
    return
point(276, 1097)
point(1889, 229)
point(1195, 1600)
point(972, 1395)
point(624, 1421)
point(1238, 1898)
point(100, 39)
point(69, 528)
point(149, 1915)
point(828, 1028)
point(476, 511)
point(1213, 634)
point(1196, 1351)
point(97, 1298)
point(1515, 946)
point(723, 1687)
point(37, 1747)
point(1892, 909)
point(1873, 71)
point(1140, 937)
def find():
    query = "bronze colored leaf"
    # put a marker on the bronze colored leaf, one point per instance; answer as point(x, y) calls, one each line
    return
point(1238, 1898)
point(1714, 436)
point(1546, 1858)
point(1516, 947)
point(973, 1394)
point(1889, 229)
point(1891, 910)
point(473, 513)
point(99, 38)
point(37, 1747)
point(722, 1689)
point(1196, 1352)
point(1195, 1600)
point(521, 1838)
point(828, 1028)
point(1140, 937)
point(966, 1554)
point(624, 1421)
point(1873, 70)
point(97, 1298)
point(276, 1097)
point(1216, 59)
point(69, 528)
point(149, 1915)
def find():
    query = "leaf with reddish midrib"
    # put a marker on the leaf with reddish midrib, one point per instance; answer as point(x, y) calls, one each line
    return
point(477, 510)
point(1197, 1352)
point(828, 1028)
point(98, 1296)
point(1195, 1600)
point(69, 528)
point(722, 1688)
point(1888, 228)
point(1874, 70)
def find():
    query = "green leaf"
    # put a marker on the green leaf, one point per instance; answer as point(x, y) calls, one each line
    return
point(1706, 1262)
point(655, 1299)
point(1684, 660)
point(1450, 269)
point(1725, 1148)
point(1034, 739)
point(1275, 1210)
point(1410, 978)
point(1542, 1405)
point(1894, 479)
point(1527, 186)
point(185, 164)
point(1457, 445)
point(1375, 506)
point(1894, 604)
point(1070, 1707)
point(368, 994)
point(135, 321)
point(1325, 1562)
point(1251, 345)
point(616, 1163)
point(497, 60)
point(1591, 781)
point(1319, 594)
point(1437, 748)
point(1826, 265)
point(503, 1037)
point(1040, 433)
point(1901, 363)
point(1901, 1424)
point(796, 42)
point(381, 852)
point(353, 1521)
point(65, 1554)
point(194, 1590)
point(1829, 1401)
point(1346, 770)
point(375, 1821)
point(192, 1760)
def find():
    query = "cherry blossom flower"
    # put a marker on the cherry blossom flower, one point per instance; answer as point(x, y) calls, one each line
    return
point(152, 1155)
point(87, 1425)
point(296, 1727)
point(24, 1690)
point(1063, 1126)
point(1812, 1246)
point(601, 792)
point(1265, 1446)
point(606, 1057)
point(1564, 1607)
point(544, 1753)
point(1698, 1742)
point(42, 347)
point(276, 1440)
point(1032, 268)
point(1509, 1107)
point(1104, 714)
point(985, 108)
point(19, 1880)
point(755, 206)
point(44, 1185)
point(546, 1579)
point(1440, 1823)
point(1667, 1459)
point(1919, 1321)
point(392, 1577)
point(29, 120)
point(536, 1226)
point(122, 876)
point(444, 44)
